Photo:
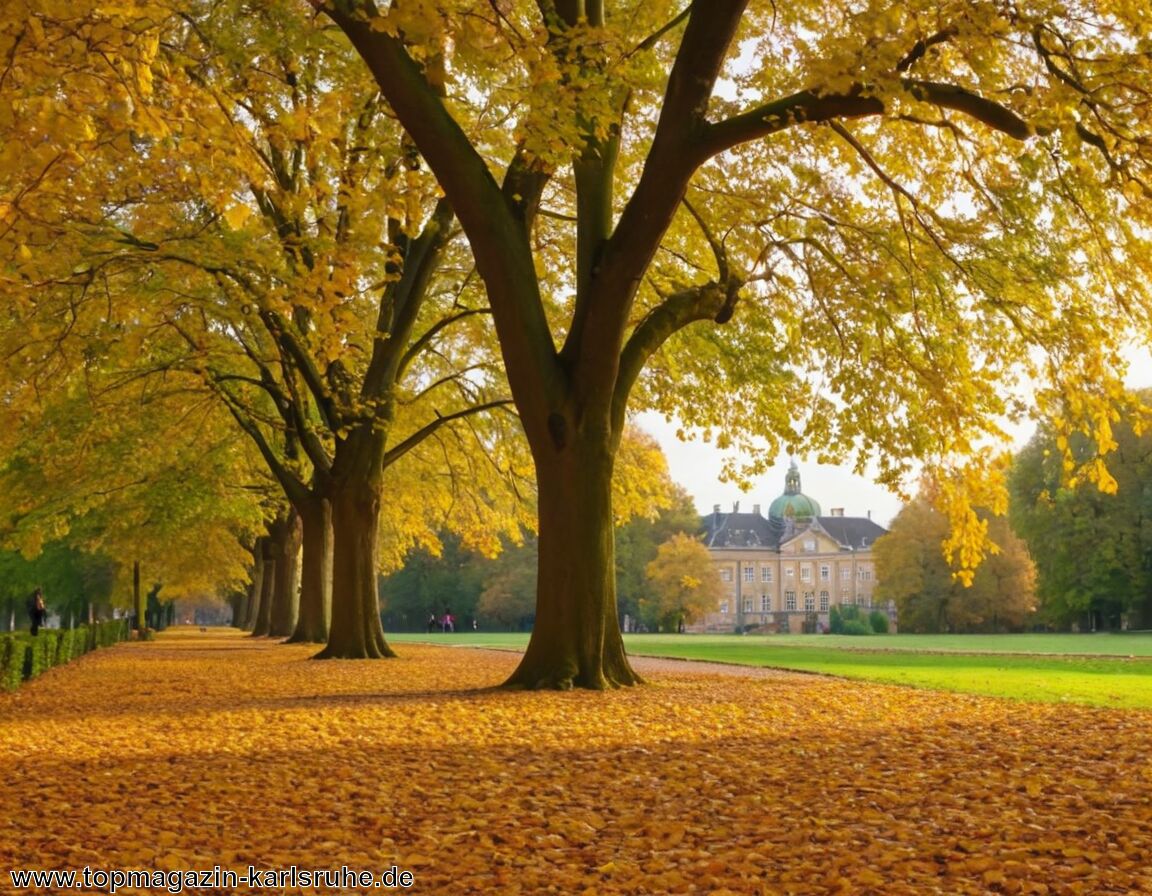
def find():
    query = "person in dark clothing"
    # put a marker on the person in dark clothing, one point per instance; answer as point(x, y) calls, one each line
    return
point(36, 610)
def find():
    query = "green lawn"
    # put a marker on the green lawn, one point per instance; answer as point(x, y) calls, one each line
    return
point(1101, 670)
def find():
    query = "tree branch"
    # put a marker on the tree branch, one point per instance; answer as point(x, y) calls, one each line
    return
point(394, 454)
point(495, 231)
point(708, 301)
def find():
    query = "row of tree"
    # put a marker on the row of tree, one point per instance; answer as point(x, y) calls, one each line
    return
point(361, 236)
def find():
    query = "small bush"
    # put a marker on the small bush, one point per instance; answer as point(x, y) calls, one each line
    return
point(23, 657)
point(42, 655)
point(840, 616)
point(878, 619)
point(12, 652)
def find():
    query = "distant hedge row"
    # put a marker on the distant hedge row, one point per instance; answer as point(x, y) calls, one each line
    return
point(23, 657)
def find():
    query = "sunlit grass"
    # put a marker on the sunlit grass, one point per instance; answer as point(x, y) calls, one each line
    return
point(1099, 670)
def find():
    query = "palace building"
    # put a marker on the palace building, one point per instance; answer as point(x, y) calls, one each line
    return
point(785, 571)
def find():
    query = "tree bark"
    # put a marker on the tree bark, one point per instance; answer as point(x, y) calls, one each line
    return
point(138, 600)
point(263, 623)
point(315, 571)
point(252, 601)
point(286, 538)
point(576, 640)
point(356, 631)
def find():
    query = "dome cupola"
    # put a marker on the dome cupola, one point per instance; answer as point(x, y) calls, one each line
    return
point(793, 504)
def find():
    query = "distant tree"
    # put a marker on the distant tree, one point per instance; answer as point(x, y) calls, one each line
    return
point(430, 583)
point(509, 596)
point(1093, 550)
point(636, 544)
point(77, 584)
point(912, 571)
point(685, 584)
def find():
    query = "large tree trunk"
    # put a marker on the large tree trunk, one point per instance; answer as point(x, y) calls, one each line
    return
point(356, 631)
point(576, 640)
point(263, 624)
point(316, 572)
point(286, 537)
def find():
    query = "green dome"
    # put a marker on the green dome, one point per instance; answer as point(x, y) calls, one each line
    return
point(793, 503)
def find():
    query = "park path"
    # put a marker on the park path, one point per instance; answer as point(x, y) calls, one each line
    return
point(203, 751)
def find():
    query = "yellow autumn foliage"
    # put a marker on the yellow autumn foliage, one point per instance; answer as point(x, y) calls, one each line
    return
point(200, 750)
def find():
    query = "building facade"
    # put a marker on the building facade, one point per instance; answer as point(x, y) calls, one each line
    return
point(785, 571)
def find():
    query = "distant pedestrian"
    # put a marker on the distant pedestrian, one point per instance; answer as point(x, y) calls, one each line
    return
point(432, 623)
point(449, 621)
point(37, 612)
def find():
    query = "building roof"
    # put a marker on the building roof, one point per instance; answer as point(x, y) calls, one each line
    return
point(852, 531)
point(751, 530)
point(789, 515)
point(738, 530)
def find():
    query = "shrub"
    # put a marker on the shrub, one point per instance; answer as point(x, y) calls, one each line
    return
point(840, 616)
point(12, 652)
point(23, 657)
point(879, 621)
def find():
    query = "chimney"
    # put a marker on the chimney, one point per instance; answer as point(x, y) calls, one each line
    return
point(716, 509)
point(735, 506)
point(869, 514)
point(837, 511)
point(756, 509)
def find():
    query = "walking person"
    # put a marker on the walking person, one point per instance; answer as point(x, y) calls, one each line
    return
point(37, 611)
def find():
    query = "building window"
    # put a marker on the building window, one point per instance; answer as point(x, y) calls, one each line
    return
point(765, 603)
point(726, 574)
point(865, 575)
point(809, 601)
point(806, 574)
point(810, 544)
point(724, 607)
point(749, 573)
point(845, 597)
point(766, 574)
point(789, 600)
point(823, 601)
point(825, 572)
point(790, 573)
point(845, 573)
point(747, 605)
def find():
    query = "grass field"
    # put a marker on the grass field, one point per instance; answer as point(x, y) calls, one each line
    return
point(1100, 670)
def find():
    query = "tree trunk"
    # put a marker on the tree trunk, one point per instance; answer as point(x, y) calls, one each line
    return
point(355, 485)
point(316, 572)
point(138, 600)
point(263, 623)
point(576, 640)
point(252, 602)
point(286, 537)
point(356, 631)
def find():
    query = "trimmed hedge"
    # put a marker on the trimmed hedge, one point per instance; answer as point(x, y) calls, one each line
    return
point(23, 657)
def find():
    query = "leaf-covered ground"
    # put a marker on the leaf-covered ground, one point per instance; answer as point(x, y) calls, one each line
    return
point(202, 750)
